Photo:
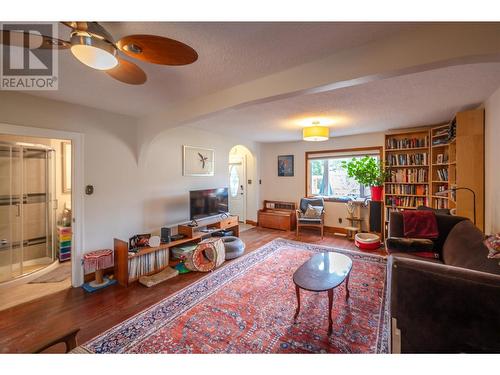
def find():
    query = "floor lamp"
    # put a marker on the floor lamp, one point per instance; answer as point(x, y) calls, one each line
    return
point(454, 189)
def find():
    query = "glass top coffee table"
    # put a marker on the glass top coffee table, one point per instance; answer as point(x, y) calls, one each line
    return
point(323, 272)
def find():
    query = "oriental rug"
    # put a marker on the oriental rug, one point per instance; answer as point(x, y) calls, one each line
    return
point(247, 306)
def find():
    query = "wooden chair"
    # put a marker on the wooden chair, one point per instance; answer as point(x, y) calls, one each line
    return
point(307, 222)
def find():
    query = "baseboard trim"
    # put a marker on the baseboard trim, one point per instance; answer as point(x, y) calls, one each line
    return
point(251, 222)
point(335, 230)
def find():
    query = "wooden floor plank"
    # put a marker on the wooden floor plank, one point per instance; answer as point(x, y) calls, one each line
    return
point(28, 325)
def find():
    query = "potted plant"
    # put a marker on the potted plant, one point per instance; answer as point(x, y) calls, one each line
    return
point(368, 172)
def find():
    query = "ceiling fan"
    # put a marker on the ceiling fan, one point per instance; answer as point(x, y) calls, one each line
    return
point(94, 46)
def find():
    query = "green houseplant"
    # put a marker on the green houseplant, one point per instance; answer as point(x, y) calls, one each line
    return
point(367, 171)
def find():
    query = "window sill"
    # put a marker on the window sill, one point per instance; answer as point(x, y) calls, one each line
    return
point(341, 200)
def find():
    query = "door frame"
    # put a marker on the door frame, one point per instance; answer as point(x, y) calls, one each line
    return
point(245, 183)
point(77, 187)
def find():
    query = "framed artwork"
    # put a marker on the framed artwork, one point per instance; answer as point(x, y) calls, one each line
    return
point(66, 166)
point(285, 165)
point(440, 159)
point(198, 161)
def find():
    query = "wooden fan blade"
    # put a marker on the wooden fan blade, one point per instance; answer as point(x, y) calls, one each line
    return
point(80, 26)
point(157, 50)
point(127, 72)
point(31, 41)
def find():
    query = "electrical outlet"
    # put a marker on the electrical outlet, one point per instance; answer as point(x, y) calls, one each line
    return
point(340, 220)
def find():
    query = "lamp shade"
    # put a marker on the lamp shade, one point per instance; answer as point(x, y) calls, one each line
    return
point(93, 52)
point(316, 133)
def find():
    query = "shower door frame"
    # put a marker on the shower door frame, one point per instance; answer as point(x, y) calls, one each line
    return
point(77, 186)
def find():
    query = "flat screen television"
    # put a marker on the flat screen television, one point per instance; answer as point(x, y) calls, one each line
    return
point(210, 202)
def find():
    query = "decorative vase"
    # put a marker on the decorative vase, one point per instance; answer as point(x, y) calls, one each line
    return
point(376, 192)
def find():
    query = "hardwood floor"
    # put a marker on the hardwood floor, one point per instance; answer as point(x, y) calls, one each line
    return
point(25, 327)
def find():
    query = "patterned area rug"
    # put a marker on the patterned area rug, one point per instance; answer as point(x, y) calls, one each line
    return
point(248, 307)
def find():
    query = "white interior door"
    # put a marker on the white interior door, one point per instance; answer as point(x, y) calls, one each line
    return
point(237, 186)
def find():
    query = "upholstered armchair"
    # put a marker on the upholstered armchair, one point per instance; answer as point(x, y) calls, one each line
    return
point(303, 221)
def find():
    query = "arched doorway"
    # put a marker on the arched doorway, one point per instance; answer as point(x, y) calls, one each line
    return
point(240, 159)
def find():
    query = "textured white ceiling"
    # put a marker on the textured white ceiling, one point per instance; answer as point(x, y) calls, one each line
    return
point(229, 54)
point(417, 99)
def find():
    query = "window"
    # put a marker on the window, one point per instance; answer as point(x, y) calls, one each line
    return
point(328, 179)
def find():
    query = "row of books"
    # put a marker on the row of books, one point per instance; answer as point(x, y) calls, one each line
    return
point(144, 264)
point(442, 174)
point(406, 159)
point(441, 203)
point(445, 135)
point(407, 189)
point(406, 201)
point(394, 143)
point(408, 175)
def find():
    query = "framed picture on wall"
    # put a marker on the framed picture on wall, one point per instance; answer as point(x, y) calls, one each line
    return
point(285, 165)
point(66, 166)
point(198, 161)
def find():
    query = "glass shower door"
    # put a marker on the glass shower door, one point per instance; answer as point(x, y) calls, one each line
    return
point(11, 209)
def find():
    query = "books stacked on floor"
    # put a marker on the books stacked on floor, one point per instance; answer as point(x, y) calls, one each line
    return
point(406, 201)
point(442, 174)
point(411, 175)
point(406, 159)
point(407, 189)
point(395, 144)
point(147, 263)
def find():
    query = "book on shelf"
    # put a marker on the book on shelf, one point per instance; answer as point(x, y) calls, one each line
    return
point(406, 159)
point(441, 203)
point(407, 189)
point(401, 143)
point(406, 201)
point(143, 264)
point(410, 175)
point(442, 174)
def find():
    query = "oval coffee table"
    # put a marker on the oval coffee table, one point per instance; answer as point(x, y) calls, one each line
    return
point(323, 272)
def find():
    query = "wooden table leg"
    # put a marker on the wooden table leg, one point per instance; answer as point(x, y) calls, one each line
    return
point(297, 291)
point(347, 287)
point(330, 305)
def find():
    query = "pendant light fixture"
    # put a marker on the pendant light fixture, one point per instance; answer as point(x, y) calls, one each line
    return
point(316, 132)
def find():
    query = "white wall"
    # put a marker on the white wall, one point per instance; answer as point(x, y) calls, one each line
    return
point(166, 190)
point(109, 157)
point(130, 196)
point(492, 166)
point(293, 188)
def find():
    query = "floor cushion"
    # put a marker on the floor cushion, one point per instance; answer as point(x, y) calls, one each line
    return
point(234, 247)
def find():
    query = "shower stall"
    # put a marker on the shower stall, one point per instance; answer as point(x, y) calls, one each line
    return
point(27, 208)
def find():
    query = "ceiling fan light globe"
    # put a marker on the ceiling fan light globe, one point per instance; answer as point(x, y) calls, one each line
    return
point(96, 53)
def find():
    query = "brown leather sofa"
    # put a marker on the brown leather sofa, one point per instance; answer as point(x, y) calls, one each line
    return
point(445, 305)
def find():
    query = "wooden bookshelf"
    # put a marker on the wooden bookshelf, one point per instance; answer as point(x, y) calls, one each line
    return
point(469, 156)
point(456, 159)
point(443, 168)
point(407, 161)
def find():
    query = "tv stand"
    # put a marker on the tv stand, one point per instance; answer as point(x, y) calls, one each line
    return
point(192, 234)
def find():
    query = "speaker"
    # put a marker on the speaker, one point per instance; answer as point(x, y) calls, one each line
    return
point(165, 234)
point(375, 218)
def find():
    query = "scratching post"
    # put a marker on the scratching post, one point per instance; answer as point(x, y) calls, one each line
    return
point(97, 261)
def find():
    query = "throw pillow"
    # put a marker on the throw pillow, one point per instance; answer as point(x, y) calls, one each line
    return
point(493, 244)
point(313, 212)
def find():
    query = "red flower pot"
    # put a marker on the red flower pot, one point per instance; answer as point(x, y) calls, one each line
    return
point(377, 192)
